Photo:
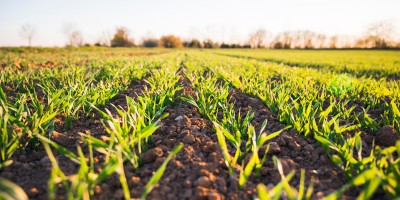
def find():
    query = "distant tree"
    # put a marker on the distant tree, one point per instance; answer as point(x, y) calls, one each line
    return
point(170, 41)
point(186, 44)
point(257, 39)
point(76, 39)
point(320, 41)
point(209, 44)
point(104, 39)
point(277, 45)
point(307, 39)
point(233, 46)
point(74, 36)
point(150, 42)
point(121, 38)
point(287, 40)
point(195, 43)
point(283, 40)
point(333, 42)
point(224, 46)
point(28, 32)
point(379, 35)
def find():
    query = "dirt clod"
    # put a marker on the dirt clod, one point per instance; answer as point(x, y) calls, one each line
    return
point(189, 139)
point(185, 121)
point(387, 137)
point(214, 196)
point(118, 194)
point(203, 182)
point(309, 148)
point(152, 154)
point(274, 148)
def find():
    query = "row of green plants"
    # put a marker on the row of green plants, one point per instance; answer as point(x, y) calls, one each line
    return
point(360, 63)
point(298, 98)
point(354, 99)
point(42, 95)
point(129, 132)
point(236, 135)
point(326, 104)
point(28, 118)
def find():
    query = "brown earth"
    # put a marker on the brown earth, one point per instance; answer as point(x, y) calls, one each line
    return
point(293, 150)
point(198, 171)
point(31, 168)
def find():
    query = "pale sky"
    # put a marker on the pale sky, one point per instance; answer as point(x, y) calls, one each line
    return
point(223, 20)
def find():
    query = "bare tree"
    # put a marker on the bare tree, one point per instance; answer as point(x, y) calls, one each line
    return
point(380, 34)
point(28, 32)
point(74, 36)
point(304, 39)
point(320, 41)
point(105, 39)
point(287, 40)
point(258, 38)
point(333, 42)
point(283, 40)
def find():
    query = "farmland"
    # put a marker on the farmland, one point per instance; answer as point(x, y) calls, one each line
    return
point(102, 123)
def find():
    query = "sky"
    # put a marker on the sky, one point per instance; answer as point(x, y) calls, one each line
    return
point(222, 20)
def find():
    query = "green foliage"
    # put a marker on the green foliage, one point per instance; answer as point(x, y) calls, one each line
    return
point(324, 104)
point(11, 191)
point(121, 38)
point(329, 96)
point(9, 139)
point(284, 186)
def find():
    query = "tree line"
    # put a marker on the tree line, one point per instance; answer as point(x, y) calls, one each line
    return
point(379, 35)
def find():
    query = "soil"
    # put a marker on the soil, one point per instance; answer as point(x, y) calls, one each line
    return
point(31, 168)
point(387, 137)
point(293, 150)
point(198, 171)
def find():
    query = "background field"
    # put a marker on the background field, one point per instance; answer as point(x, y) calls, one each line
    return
point(117, 123)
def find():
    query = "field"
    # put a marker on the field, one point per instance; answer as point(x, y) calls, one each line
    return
point(102, 123)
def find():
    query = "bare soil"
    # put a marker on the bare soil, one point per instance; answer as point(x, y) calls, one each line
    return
point(198, 171)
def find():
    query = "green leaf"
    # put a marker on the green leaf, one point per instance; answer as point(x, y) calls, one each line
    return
point(59, 148)
point(224, 147)
point(395, 110)
point(96, 143)
point(370, 189)
point(3, 96)
point(262, 192)
point(301, 186)
point(326, 142)
point(325, 113)
point(364, 177)
point(11, 191)
point(244, 175)
point(264, 137)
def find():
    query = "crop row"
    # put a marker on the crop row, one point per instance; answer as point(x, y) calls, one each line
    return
point(28, 118)
point(337, 110)
point(372, 64)
point(298, 98)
